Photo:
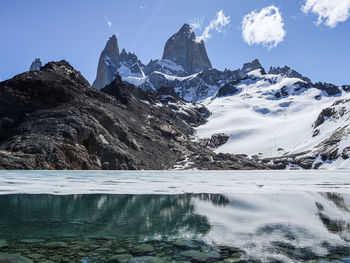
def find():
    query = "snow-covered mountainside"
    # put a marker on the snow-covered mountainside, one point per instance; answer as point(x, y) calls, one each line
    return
point(273, 115)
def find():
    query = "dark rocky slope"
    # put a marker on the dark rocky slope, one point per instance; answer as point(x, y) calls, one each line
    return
point(53, 119)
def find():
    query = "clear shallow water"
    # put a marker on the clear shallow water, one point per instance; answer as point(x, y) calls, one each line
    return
point(276, 217)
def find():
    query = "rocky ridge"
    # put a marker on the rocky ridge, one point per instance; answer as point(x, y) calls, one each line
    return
point(53, 119)
point(185, 66)
point(288, 72)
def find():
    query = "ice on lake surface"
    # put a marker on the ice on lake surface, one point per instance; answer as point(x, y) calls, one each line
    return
point(284, 216)
point(172, 182)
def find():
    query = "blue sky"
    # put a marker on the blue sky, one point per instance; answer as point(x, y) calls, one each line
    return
point(77, 31)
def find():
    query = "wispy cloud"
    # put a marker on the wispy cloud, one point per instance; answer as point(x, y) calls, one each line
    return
point(196, 23)
point(264, 27)
point(330, 12)
point(216, 24)
point(144, 6)
point(109, 23)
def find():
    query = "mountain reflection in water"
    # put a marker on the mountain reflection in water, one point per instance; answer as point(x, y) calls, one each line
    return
point(263, 225)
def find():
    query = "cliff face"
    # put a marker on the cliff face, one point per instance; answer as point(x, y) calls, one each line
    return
point(112, 63)
point(184, 50)
point(53, 119)
point(107, 64)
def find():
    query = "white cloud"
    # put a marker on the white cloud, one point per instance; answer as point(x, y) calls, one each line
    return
point(144, 6)
point(216, 24)
point(109, 23)
point(196, 23)
point(264, 27)
point(330, 12)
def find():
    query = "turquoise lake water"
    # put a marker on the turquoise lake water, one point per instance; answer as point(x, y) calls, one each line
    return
point(175, 216)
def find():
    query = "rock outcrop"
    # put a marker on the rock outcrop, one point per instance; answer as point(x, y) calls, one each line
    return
point(36, 65)
point(288, 72)
point(185, 50)
point(217, 140)
point(330, 89)
point(53, 119)
point(250, 66)
point(229, 89)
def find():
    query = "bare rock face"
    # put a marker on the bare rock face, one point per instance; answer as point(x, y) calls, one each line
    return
point(183, 49)
point(107, 64)
point(330, 89)
point(36, 65)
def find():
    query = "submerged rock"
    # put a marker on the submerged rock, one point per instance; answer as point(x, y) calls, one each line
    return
point(200, 256)
point(30, 241)
point(120, 258)
point(3, 243)
point(121, 251)
point(142, 249)
point(56, 245)
point(35, 256)
point(146, 260)
point(186, 244)
point(14, 258)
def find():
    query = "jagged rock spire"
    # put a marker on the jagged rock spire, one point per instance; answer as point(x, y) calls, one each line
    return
point(108, 63)
point(185, 50)
point(36, 65)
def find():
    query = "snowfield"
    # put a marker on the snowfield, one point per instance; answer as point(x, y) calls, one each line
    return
point(259, 123)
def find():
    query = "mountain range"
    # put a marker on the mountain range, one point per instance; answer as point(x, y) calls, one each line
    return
point(177, 112)
point(265, 114)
